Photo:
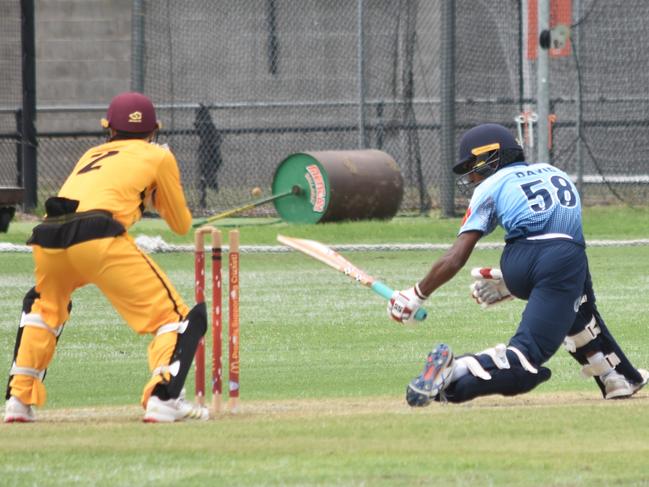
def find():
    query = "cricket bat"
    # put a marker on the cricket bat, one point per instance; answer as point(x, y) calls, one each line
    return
point(327, 255)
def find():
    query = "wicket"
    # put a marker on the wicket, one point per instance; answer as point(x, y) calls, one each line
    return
point(217, 317)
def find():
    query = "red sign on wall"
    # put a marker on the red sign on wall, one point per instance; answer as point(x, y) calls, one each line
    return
point(560, 13)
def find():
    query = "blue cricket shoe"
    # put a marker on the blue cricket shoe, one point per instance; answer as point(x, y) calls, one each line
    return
point(433, 380)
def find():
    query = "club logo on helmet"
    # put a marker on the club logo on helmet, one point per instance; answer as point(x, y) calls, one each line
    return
point(483, 158)
point(135, 117)
point(484, 150)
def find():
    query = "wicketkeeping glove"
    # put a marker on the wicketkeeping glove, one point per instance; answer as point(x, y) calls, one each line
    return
point(404, 304)
point(489, 288)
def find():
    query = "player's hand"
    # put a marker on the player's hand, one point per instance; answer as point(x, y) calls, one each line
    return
point(404, 304)
point(489, 287)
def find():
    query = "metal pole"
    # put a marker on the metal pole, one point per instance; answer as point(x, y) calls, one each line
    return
point(272, 49)
point(522, 35)
point(543, 91)
point(528, 94)
point(137, 46)
point(447, 95)
point(28, 139)
point(361, 78)
point(380, 126)
point(578, 107)
point(19, 148)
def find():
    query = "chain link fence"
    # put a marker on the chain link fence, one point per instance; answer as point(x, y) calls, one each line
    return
point(11, 92)
point(601, 104)
point(252, 82)
point(242, 85)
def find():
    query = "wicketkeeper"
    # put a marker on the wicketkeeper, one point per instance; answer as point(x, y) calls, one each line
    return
point(544, 262)
point(84, 240)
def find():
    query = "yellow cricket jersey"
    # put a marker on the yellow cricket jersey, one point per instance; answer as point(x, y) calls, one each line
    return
point(122, 176)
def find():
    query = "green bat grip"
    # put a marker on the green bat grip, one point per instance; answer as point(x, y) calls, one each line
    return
point(382, 290)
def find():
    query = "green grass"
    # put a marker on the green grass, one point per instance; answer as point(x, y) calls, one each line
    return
point(445, 445)
point(600, 222)
point(323, 376)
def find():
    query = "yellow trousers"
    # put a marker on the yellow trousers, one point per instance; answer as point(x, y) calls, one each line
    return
point(136, 287)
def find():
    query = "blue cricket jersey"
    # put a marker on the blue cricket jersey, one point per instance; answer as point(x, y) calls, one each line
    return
point(526, 200)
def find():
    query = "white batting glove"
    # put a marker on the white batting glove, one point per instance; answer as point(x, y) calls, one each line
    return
point(404, 304)
point(489, 288)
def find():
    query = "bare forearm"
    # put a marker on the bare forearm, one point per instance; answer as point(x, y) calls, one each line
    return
point(441, 272)
point(448, 265)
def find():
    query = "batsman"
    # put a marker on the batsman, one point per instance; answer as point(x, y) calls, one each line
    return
point(83, 240)
point(544, 262)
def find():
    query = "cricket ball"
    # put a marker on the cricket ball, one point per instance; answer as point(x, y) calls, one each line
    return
point(256, 192)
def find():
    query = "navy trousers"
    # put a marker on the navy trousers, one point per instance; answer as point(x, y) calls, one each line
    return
point(551, 275)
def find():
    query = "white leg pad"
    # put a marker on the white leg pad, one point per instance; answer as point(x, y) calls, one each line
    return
point(35, 373)
point(523, 360)
point(498, 354)
point(172, 368)
point(179, 326)
point(36, 320)
point(602, 366)
point(474, 367)
point(578, 340)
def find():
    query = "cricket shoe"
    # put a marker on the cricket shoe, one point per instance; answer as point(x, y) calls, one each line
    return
point(644, 373)
point(434, 379)
point(617, 386)
point(170, 410)
point(18, 412)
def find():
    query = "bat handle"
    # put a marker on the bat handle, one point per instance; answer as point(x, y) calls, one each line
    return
point(386, 292)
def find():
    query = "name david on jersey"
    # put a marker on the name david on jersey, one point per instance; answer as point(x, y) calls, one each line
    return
point(534, 172)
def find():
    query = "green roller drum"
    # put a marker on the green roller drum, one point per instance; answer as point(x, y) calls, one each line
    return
point(338, 185)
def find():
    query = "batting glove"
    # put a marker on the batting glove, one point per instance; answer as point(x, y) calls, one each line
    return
point(404, 304)
point(489, 287)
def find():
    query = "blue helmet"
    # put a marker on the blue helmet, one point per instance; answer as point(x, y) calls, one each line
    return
point(486, 148)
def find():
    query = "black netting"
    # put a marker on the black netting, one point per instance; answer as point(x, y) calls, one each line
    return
point(242, 85)
point(607, 72)
point(57, 157)
point(11, 91)
point(277, 77)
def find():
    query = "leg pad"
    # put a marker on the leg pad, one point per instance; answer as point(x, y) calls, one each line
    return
point(588, 336)
point(183, 355)
point(510, 375)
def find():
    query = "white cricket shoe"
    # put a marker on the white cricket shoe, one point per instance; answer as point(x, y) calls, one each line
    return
point(159, 411)
point(618, 387)
point(18, 412)
point(645, 378)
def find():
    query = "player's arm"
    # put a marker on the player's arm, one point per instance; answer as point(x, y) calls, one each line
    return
point(404, 304)
point(169, 198)
point(480, 219)
point(449, 264)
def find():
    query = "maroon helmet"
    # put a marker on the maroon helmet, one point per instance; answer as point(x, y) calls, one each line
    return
point(131, 112)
